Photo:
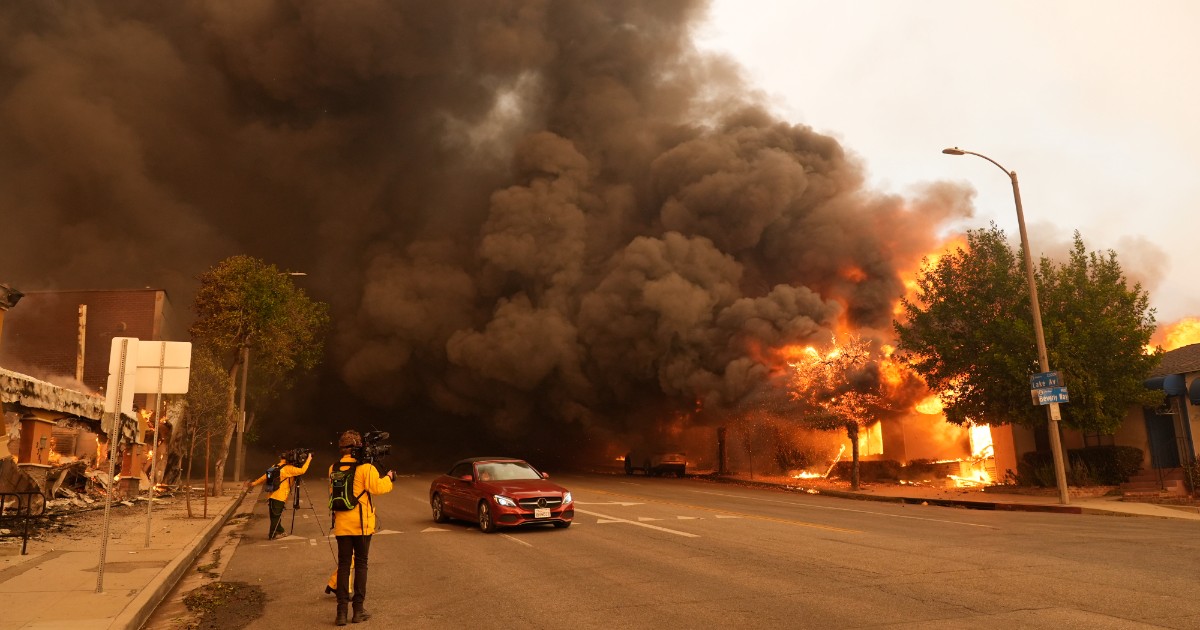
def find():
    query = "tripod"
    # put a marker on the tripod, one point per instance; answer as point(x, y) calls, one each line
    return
point(295, 505)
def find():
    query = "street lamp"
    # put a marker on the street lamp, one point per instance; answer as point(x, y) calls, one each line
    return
point(1052, 411)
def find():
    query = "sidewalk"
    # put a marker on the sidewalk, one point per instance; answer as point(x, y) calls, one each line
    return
point(54, 585)
point(972, 498)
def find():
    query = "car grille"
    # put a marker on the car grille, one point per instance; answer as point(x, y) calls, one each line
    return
point(535, 502)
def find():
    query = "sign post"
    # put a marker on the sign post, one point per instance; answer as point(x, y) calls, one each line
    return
point(118, 402)
point(1046, 388)
point(163, 367)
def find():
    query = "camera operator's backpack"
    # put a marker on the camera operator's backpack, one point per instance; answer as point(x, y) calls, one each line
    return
point(273, 478)
point(341, 482)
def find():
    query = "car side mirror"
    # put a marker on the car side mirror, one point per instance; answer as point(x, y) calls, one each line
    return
point(545, 475)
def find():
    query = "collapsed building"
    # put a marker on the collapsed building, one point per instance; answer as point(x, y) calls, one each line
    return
point(56, 437)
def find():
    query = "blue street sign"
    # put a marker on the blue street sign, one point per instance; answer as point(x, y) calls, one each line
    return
point(1043, 380)
point(1048, 395)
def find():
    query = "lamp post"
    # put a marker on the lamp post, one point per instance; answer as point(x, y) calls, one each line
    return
point(1060, 473)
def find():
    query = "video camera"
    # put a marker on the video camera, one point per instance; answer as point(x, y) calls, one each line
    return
point(296, 456)
point(371, 449)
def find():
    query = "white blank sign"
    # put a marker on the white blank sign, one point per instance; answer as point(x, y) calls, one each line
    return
point(171, 359)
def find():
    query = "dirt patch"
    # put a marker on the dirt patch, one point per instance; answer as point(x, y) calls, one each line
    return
point(223, 605)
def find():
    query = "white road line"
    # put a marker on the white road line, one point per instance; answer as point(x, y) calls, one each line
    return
point(828, 507)
point(613, 519)
point(516, 540)
point(433, 529)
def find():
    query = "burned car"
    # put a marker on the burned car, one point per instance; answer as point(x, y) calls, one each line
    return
point(656, 463)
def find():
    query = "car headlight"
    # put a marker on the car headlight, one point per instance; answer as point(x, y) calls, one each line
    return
point(503, 500)
point(566, 498)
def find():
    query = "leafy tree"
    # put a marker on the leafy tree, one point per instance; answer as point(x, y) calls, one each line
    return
point(839, 390)
point(1099, 328)
point(969, 333)
point(205, 415)
point(245, 303)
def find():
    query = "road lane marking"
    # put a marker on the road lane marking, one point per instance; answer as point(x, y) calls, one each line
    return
point(757, 517)
point(841, 509)
point(687, 518)
point(433, 529)
point(727, 516)
point(516, 540)
point(643, 519)
point(614, 519)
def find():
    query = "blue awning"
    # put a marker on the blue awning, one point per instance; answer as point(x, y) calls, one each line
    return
point(1171, 384)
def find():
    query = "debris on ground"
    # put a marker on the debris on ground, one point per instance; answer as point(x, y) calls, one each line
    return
point(224, 605)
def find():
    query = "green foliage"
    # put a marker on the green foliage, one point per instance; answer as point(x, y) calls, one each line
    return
point(1097, 330)
point(881, 470)
point(207, 394)
point(243, 301)
point(1191, 476)
point(1108, 465)
point(1091, 466)
point(968, 332)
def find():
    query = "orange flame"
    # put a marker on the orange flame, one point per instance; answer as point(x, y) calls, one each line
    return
point(1176, 335)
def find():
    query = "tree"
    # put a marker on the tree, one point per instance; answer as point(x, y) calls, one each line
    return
point(205, 414)
point(839, 390)
point(245, 303)
point(1099, 328)
point(969, 333)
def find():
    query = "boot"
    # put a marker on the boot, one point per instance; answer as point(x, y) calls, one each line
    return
point(341, 614)
point(360, 614)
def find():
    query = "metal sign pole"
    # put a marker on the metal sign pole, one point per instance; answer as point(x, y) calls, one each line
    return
point(162, 369)
point(113, 432)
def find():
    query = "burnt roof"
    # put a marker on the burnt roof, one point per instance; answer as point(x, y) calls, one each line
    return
point(1179, 361)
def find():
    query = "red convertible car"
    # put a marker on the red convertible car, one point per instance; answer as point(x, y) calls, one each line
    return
point(499, 492)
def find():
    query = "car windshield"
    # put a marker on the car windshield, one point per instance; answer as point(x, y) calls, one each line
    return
point(505, 471)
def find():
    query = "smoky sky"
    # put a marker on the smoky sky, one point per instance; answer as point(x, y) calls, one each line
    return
point(526, 215)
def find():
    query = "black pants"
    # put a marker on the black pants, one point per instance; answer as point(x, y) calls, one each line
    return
point(276, 508)
point(353, 548)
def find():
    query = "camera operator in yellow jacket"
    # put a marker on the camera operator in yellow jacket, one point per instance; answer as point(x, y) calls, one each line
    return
point(353, 527)
point(278, 498)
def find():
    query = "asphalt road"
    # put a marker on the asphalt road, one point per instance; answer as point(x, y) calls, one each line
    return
point(688, 553)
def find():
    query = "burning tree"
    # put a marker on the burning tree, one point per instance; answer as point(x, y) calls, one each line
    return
point(245, 304)
point(839, 389)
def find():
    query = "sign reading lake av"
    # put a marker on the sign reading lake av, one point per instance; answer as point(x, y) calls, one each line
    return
point(1043, 380)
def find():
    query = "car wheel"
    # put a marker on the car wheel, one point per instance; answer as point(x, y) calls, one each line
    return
point(439, 512)
point(562, 524)
point(486, 524)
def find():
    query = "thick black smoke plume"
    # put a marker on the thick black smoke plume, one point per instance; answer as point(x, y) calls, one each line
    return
point(537, 218)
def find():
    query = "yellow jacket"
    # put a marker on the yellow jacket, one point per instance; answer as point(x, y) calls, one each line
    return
point(286, 472)
point(361, 520)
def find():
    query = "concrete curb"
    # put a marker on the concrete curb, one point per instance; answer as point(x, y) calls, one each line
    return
point(140, 609)
point(973, 505)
